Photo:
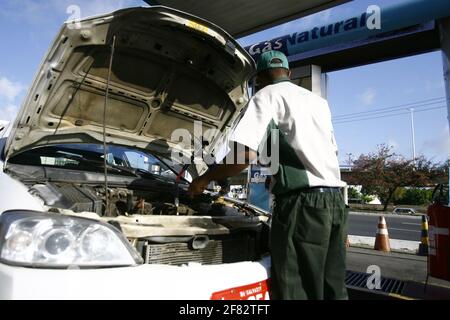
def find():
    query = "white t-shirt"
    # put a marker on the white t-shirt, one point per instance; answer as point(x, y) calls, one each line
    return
point(307, 147)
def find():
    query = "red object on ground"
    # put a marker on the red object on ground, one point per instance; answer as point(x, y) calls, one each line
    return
point(439, 249)
point(254, 291)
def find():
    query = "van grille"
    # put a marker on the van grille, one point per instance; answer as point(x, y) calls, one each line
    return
point(181, 253)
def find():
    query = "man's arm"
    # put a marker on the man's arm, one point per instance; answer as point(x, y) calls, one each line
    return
point(222, 171)
point(249, 132)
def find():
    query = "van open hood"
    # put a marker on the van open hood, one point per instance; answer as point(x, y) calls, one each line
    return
point(169, 69)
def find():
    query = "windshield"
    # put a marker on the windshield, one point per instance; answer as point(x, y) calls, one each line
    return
point(89, 157)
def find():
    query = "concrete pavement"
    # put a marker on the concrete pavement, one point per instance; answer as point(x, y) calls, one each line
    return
point(406, 267)
point(392, 265)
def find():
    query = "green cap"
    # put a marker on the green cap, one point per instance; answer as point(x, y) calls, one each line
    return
point(268, 60)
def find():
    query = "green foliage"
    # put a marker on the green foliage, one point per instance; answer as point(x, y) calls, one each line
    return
point(399, 193)
point(366, 198)
point(416, 196)
point(353, 193)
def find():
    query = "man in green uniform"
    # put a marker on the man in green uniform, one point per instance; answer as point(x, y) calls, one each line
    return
point(309, 220)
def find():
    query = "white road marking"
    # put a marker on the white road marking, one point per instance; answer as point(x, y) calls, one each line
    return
point(413, 224)
point(405, 230)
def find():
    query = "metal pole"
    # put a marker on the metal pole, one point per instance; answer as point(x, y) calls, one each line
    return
point(249, 178)
point(345, 194)
point(105, 150)
point(413, 136)
point(444, 33)
point(349, 159)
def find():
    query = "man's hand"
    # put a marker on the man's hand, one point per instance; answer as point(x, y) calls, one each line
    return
point(224, 170)
point(198, 185)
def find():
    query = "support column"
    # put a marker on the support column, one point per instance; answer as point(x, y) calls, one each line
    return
point(310, 77)
point(444, 33)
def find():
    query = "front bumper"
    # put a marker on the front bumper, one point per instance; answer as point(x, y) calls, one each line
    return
point(162, 282)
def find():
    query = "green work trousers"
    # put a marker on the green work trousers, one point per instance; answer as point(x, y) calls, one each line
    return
point(307, 244)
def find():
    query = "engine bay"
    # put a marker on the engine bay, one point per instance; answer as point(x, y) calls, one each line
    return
point(120, 201)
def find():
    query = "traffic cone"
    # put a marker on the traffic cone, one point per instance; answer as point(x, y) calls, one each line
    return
point(423, 247)
point(382, 237)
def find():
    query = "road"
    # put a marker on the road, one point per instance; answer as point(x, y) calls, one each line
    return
point(399, 227)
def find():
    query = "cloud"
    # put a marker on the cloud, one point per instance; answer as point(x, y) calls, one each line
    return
point(8, 112)
point(9, 90)
point(9, 94)
point(367, 97)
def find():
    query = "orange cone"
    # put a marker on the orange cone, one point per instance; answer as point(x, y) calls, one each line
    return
point(382, 238)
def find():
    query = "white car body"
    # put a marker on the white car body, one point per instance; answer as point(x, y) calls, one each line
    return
point(38, 120)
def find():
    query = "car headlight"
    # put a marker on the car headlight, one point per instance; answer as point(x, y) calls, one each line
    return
point(36, 239)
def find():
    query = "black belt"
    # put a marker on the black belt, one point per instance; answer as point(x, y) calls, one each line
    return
point(319, 189)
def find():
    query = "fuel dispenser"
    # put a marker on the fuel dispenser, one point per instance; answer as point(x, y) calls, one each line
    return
point(439, 229)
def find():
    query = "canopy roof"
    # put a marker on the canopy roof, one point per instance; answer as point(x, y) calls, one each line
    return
point(240, 18)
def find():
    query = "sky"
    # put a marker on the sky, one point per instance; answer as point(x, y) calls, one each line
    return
point(368, 91)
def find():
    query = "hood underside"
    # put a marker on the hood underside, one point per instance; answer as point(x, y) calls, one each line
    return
point(169, 69)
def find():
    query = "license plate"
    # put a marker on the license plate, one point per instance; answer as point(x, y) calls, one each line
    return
point(255, 291)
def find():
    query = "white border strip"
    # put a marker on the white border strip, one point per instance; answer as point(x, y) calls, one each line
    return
point(396, 244)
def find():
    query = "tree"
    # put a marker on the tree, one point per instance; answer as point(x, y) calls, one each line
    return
point(441, 173)
point(382, 172)
point(398, 195)
point(415, 196)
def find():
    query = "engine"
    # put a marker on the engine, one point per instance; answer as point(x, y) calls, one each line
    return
point(119, 201)
point(166, 227)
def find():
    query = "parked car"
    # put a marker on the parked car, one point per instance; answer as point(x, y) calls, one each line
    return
point(400, 210)
point(81, 221)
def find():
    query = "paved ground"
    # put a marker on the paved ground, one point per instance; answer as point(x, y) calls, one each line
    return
point(399, 227)
point(401, 266)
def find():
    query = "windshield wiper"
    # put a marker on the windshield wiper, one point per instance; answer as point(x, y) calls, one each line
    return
point(97, 164)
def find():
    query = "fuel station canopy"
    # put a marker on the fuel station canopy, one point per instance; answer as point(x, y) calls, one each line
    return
point(240, 18)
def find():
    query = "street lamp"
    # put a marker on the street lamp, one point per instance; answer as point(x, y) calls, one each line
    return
point(413, 135)
point(349, 155)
